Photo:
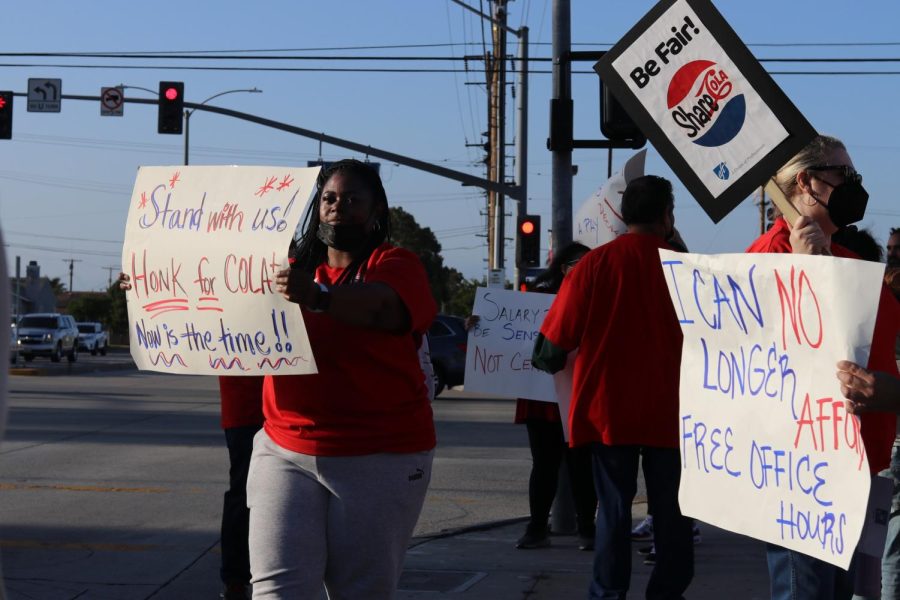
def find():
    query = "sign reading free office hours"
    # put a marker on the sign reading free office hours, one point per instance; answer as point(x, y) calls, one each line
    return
point(202, 247)
point(767, 446)
point(705, 103)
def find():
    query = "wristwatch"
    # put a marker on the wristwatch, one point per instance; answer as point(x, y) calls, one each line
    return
point(323, 299)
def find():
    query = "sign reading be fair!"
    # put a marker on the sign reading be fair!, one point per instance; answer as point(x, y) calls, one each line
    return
point(202, 247)
point(767, 447)
point(706, 104)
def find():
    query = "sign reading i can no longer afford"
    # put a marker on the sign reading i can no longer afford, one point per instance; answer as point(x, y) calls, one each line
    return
point(704, 102)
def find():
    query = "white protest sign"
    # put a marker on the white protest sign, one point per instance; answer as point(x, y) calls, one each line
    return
point(498, 354)
point(704, 102)
point(767, 447)
point(599, 219)
point(202, 247)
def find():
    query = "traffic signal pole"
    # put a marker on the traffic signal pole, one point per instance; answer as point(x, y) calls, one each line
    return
point(561, 165)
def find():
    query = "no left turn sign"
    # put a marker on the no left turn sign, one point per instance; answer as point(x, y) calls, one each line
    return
point(112, 102)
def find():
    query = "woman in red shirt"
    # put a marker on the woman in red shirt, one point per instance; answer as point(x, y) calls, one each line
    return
point(823, 185)
point(339, 472)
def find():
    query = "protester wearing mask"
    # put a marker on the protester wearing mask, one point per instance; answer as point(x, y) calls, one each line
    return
point(825, 188)
point(339, 472)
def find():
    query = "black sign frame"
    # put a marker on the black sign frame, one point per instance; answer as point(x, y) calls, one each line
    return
point(800, 131)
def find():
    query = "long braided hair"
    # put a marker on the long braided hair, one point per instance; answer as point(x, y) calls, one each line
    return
point(309, 251)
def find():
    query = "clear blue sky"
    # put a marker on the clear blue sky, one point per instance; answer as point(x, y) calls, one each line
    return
point(69, 175)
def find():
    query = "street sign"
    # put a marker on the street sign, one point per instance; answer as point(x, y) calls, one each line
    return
point(44, 95)
point(112, 102)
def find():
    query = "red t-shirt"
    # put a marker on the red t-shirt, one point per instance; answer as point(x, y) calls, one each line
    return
point(878, 429)
point(369, 395)
point(241, 401)
point(614, 308)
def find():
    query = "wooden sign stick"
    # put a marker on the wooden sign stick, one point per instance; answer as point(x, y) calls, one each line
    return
point(780, 200)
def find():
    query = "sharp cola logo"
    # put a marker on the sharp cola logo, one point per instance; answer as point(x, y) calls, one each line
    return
point(702, 102)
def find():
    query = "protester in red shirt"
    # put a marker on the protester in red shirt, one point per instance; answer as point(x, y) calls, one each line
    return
point(614, 308)
point(824, 187)
point(339, 472)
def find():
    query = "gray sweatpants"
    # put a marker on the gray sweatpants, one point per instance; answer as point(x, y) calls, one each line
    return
point(341, 521)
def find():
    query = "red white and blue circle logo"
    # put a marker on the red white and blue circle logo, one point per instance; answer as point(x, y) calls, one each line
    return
point(701, 100)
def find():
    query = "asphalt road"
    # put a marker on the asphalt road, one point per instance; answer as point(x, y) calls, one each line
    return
point(114, 479)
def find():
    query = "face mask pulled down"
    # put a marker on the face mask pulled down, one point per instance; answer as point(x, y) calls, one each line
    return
point(346, 237)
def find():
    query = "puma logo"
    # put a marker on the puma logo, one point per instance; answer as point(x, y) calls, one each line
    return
point(419, 474)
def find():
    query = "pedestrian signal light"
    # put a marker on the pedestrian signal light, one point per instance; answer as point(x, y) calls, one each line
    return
point(6, 108)
point(528, 241)
point(171, 107)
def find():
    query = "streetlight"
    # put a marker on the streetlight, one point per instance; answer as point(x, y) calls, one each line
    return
point(188, 113)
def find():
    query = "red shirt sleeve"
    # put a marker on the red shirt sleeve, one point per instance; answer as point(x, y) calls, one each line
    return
point(403, 272)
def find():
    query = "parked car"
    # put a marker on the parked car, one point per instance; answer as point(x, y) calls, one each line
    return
point(92, 338)
point(447, 340)
point(48, 334)
point(13, 344)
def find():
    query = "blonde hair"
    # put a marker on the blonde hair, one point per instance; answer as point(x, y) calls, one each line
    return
point(815, 153)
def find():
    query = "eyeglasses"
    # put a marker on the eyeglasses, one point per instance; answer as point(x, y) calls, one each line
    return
point(849, 173)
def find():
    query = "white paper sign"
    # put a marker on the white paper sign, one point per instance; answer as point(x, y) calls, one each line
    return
point(202, 246)
point(767, 447)
point(498, 354)
point(599, 219)
point(696, 94)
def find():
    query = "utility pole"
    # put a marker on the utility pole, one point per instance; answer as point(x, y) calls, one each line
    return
point(498, 132)
point(71, 262)
point(522, 138)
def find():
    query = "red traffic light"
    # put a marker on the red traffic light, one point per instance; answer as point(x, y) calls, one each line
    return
point(2, 102)
point(527, 227)
point(171, 93)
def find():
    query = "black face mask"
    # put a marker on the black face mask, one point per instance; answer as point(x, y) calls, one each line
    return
point(346, 237)
point(847, 203)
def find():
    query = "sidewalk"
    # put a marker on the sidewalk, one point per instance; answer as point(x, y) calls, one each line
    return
point(483, 564)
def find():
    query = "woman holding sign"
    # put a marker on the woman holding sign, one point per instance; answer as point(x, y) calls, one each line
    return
point(821, 183)
point(339, 472)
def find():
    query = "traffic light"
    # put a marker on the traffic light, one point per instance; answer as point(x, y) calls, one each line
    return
point(171, 107)
point(528, 241)
point(615, 123)
point(6, 105)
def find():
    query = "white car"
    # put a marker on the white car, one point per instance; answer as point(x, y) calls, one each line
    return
point(92, 338)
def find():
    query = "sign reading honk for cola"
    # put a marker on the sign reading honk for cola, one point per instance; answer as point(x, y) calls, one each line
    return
point(705, 103)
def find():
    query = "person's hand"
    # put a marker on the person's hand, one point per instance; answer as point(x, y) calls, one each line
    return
point(124, 281)
point(808, 238)
point(471, 321)
point(868, 391)
point(296, 286)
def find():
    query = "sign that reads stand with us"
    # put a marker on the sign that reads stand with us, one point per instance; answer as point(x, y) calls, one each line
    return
point(202, 248)
point(767, 446)
point(707, 105)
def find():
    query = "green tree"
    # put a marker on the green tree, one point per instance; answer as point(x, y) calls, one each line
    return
point(93, 307)
point(453, 293)
point(118, 314)
point(57, 286)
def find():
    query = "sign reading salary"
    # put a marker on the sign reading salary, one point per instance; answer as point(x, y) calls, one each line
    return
point(762, 416)
point(498, 353)
point(707, 105)
point(202, 247)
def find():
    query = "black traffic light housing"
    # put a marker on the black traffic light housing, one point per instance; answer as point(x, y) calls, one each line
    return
point(6, 114)
point(615, 123)
point(171, 107)
point(528, 241)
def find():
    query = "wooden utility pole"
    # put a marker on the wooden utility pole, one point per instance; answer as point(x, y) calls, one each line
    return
point(497, 134)
point(71, 262)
